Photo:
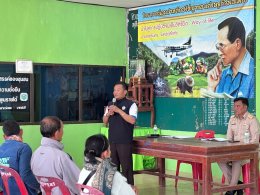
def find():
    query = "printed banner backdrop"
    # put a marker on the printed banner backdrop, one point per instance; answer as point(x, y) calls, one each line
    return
point(178, 43)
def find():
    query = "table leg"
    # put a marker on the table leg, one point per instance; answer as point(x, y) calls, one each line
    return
point(254, 174)
point(161, 167)
point(206, 172)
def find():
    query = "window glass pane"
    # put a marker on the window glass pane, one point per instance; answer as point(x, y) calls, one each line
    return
point(97, 89)
point(14, 94)
point(56, 92)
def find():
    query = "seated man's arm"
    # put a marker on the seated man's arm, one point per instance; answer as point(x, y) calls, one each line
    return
point(25, 168)
point(70, 173)
point(254, 130)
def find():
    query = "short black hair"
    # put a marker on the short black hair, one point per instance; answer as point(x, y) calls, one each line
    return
point(94, 146)
point(49, 125)
point(236, 29)
point(11, 127)
point(243, 100)
point(124, 85)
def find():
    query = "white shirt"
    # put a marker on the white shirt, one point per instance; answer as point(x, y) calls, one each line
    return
point(132, 111)
point(119, 185)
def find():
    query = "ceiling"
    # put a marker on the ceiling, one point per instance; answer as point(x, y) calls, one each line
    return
point(128, 4)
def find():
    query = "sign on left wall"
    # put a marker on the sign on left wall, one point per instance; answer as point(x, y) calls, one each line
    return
point(15, 92)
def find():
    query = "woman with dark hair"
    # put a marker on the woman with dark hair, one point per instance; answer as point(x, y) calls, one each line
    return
point(99, 172)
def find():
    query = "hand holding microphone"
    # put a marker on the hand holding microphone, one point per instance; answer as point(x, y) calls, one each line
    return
point(111, 107)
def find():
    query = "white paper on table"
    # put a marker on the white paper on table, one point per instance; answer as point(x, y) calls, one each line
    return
point(220, 139)
point(181, 137)
point(167, 136)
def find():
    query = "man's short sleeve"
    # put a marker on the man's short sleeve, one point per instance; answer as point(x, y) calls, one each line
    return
point(106, 111)
point(133, 110)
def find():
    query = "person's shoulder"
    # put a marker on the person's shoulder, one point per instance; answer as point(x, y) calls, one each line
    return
point(23, 148)
point(22, 145)
point(82, 175)
point(129, 101)
point(25, 145)
point(232, 117)
point(250, 116)
point(67, 159)
point(118, 177)
point(84, 171)
point(49, 150)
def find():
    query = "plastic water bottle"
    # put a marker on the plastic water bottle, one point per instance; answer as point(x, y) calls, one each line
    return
point(155, 129)
point(246, 137)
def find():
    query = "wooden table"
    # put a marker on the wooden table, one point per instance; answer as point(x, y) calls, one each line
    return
point(204, 152)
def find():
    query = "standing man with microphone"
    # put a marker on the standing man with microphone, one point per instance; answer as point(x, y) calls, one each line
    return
point(121, 115)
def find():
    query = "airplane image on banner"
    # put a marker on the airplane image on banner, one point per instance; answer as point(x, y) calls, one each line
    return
point(178, 50)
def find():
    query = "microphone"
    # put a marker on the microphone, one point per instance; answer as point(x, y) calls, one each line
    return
point(114, 101)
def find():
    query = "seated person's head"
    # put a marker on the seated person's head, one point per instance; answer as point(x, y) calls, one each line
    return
point(52, 127)
point(243, 100)
point(11, 127)
point(96, 146)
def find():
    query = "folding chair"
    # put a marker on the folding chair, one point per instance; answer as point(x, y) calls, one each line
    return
point(196, 167)
point(6, 174)
point(48, 183)
point(88, 190)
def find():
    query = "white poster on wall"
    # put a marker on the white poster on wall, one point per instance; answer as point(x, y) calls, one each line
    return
point(24, 66)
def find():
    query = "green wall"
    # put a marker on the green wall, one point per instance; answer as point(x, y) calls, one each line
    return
point(51, 31)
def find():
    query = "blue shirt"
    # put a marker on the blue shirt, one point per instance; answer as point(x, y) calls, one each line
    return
point(17, 155)
point(243, 84)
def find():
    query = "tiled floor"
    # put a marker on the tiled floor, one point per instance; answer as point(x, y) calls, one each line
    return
point(148, 185)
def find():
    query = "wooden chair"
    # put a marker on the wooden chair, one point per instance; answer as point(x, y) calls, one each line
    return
point(196, 167)
point(6, 174)
point(88, 190)
point(48, 183)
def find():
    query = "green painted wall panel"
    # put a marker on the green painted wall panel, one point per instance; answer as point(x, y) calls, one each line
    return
point(53, 31)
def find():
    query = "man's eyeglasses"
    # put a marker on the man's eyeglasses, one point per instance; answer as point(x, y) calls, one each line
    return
point(221, 46)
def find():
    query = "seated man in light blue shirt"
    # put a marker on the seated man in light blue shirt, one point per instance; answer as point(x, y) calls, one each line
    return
point(237, 80)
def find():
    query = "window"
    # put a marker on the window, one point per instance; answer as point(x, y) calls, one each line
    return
point(71, 92)
point(57, 92)
point(97, 90)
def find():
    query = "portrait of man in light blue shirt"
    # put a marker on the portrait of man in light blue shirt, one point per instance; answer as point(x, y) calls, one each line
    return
point(234, 73)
